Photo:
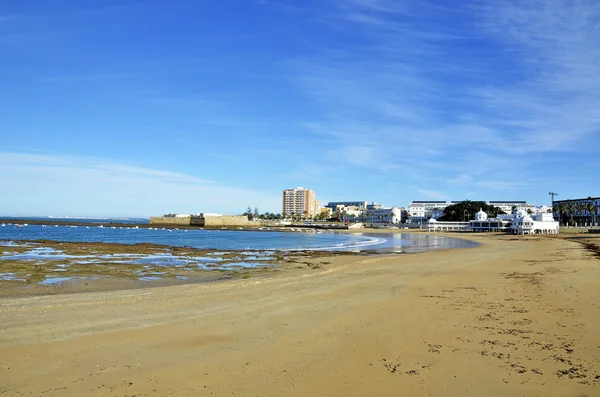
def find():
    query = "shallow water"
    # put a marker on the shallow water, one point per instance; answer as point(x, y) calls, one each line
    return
point(233, 240)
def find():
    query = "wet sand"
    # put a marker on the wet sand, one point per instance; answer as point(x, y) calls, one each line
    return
point(47, 267)
point(515, 316)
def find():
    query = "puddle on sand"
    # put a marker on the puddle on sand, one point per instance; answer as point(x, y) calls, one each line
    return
point(209, 261)
point(10, 277)
point(54, 280)
point(39, 254)
point(242, 264)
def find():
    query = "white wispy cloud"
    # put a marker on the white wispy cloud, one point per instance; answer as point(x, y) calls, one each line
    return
point(55, 184)
point(483, 91)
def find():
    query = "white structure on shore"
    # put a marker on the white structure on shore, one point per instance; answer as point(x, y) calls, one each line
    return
point(519, 223)
point(424, 210)
point(384, 215)
point(374, 215)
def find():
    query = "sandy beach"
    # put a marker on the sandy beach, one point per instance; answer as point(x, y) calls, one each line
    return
point(517, 316)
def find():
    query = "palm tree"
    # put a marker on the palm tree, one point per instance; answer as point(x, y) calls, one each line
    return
point(563, 208)
point(580, 208)
point(571, 207)
point(591, 210)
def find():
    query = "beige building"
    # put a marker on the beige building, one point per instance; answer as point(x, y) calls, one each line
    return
point(300, 202)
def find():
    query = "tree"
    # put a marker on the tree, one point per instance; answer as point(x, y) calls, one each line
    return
point(580, 208)
point(571, 207)
point(456, 212)
point(592, 210)
point(563, 210)
point(255, 213)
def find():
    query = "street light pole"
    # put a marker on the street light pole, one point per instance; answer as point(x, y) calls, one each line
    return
point(553, 194)
point(464, 214)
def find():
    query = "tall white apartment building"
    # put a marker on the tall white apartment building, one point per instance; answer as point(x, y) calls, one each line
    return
point(299, 201)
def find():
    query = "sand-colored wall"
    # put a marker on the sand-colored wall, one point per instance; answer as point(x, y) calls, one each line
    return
point(162, 220)
point(225, 220)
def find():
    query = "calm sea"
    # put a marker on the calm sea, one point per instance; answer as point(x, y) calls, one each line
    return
point(139, 221)
point(231, 240)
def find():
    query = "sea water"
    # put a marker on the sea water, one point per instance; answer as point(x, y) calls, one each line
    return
point(232, 240)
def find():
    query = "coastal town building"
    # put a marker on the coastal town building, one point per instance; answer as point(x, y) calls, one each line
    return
point(374, 206)
point(334, 204)
point(580, 212)
point(420, 211)
point(509, 206)
point(521, 222)
point(350, 213)
point(423, 209)
point(383, 215)
point(299, 201)
point(373, 215)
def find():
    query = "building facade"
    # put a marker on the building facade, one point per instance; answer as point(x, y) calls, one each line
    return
point(333, 204)
point(424, 210)
point(384, 215)
point(580, 212)
point(508, 206)
point(300, 202)
point(520, 222)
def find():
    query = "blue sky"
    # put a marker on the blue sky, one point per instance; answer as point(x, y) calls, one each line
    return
point(135, 108)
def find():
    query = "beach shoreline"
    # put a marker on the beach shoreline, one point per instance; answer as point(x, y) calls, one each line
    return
point(517, 315)
point(51, 267)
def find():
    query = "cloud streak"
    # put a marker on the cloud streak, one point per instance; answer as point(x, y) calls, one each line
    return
point(54, 185)
point(487, 88)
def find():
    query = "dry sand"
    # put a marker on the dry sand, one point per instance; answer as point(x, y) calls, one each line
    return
point(514, 317)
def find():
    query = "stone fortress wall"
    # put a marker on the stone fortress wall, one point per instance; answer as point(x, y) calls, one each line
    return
point(202, 221)
point(223, 220)
point(170, 220)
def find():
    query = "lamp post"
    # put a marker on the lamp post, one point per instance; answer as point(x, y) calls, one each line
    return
point(464, 214)
point(553, 194)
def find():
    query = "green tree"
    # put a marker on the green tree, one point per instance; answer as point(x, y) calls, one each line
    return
point(592, 210)
point(467, 209)
point(580, 208)
point(571, 207)
point(563, 211)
